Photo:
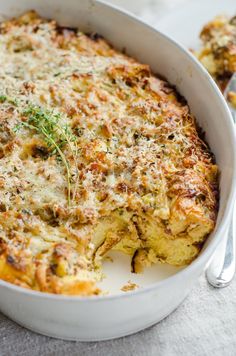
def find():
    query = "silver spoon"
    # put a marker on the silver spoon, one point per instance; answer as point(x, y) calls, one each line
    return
point(222, 268)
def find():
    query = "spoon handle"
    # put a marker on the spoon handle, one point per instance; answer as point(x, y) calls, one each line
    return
point(222, 268)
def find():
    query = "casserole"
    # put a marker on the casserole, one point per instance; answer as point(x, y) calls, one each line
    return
point(97, 155)
point(105, 317)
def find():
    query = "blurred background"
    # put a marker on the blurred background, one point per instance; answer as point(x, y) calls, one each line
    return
point(149, 10)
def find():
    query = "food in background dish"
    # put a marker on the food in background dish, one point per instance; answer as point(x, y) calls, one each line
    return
point(97, 154)
point(218, 52)
point(231, 96)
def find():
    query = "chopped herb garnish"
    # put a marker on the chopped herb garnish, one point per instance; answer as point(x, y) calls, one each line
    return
point(4, 98)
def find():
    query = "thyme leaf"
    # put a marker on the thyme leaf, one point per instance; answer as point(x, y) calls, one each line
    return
point(55, 134)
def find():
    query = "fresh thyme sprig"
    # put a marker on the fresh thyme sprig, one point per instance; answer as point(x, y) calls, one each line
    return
point(55, 134)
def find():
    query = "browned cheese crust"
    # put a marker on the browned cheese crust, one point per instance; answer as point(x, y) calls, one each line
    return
point(96, 154)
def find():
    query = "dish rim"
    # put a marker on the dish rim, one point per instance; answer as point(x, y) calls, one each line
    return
point(226, 215)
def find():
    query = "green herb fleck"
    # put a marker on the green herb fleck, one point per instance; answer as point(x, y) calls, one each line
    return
point(4, 98)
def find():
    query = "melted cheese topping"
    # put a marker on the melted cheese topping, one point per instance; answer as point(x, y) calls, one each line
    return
point(141, 179)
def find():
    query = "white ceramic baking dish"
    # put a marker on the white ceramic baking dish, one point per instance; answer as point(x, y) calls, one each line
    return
point(106, 317)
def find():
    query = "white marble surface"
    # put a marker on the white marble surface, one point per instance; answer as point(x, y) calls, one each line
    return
point(203, 325)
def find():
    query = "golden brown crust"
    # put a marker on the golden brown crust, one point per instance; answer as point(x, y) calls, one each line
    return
point(96, 154)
